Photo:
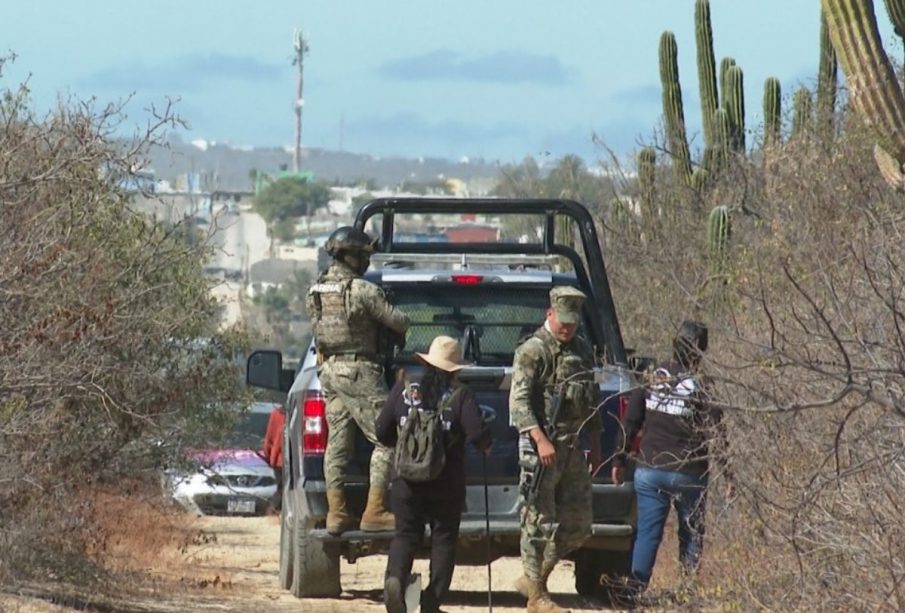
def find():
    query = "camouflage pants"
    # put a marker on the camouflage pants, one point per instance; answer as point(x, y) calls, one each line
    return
point(355, 393)
point(560, 520)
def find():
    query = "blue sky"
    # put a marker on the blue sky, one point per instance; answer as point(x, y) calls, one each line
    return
point(499, 79)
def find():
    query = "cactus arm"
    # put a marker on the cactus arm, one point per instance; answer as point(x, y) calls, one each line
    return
point(673, 109)
point(826, 81)
point(874, 92)
point(735, 99)
point(706, 69)
point(772, 112)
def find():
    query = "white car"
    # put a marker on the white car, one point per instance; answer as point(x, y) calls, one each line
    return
point(234, 480)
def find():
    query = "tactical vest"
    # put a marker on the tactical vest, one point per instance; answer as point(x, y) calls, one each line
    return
point(340, 325)
point(564, 364)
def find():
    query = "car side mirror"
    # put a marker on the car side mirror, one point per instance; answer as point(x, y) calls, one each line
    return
point(265, 369)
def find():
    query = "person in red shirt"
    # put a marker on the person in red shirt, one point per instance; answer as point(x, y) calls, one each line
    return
point(273, 452)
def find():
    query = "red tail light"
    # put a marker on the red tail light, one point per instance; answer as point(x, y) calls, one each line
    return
point(467, 279)
point(635, 443)
point(314, 424)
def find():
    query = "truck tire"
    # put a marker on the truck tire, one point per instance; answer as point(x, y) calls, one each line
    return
point(315, 565)
point(287, 550)
point(604, 575)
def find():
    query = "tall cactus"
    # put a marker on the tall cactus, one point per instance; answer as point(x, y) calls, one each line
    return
point(673, 109)
point(647, 164)
point(706, 69)
point(735, 106)
point(826, 82)
point(772, 112)
point(723, 145)
point(719, 231)
point(802, 112)
point(874, 91)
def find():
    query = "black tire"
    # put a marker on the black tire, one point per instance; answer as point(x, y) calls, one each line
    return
point(315, 565)
point(287, 550)
point(604, 575)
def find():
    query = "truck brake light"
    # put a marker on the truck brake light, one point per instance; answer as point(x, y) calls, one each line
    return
point(314, 424)
point(467, 279)
point(635, 443)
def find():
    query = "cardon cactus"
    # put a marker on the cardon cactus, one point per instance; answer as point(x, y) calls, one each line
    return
point(735, 107)
point(802, 113)
point(725, 64)
point(826, 82)
point(723, 145)
point(706, 69)
point(874, 92)
point(673, 110)
point(772, 112)
point(647, 165)
point(719, 231)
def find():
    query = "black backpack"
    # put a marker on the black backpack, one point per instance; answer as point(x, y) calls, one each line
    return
point(420, 450)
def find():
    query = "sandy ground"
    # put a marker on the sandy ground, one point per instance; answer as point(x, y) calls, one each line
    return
point(233, 567)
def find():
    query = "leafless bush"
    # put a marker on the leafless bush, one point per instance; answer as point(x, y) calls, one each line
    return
point(807, 347)
point(101, 312)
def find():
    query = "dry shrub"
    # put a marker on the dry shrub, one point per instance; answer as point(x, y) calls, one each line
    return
point(808, 339)
point(109, 349)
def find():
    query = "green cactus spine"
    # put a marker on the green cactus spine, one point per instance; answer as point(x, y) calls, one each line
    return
point(719, 231)
point(706, 69)
point(647, 165)
point(802, 113)
point(673, 109)
point(772, 112)
point(874, 92)
point(826, 82)
point(735, 106)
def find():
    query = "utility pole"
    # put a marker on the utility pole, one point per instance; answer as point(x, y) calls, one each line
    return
point(301, 48)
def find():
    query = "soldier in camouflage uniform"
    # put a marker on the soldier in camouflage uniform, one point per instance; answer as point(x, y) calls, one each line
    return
point(348, 313)
point(554, 360)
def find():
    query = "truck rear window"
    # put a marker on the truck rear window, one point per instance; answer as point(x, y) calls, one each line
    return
point(487, 320)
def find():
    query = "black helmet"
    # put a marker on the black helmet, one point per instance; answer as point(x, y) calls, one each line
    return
point(351, 240)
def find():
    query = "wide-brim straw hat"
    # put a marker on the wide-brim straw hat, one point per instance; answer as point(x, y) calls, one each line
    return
point(445, 354)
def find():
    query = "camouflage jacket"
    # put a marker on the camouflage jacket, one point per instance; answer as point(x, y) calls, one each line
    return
point(348, 312)
point(541, 364)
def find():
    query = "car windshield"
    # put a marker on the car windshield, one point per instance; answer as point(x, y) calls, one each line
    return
point(488, 323)
point(249, 432)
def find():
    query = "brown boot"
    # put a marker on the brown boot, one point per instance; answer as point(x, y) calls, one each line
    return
point(376, 517)
point(338, 519)
point(524, 586)
point(542, 603)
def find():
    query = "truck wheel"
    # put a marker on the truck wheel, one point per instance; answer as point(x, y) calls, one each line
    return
point(287, 550)
point(604, 575)
point(315, 564)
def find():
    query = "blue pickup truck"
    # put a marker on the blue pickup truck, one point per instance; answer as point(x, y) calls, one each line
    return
point(488, 295)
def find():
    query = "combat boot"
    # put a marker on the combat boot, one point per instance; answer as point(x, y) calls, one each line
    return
point(338, 519)
point(376, 517)
point(524, 585)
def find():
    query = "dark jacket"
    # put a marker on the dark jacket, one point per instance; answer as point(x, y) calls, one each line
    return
point(678, 420)
point(465, 426)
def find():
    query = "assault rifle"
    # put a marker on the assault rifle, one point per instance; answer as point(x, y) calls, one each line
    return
point(550, 431)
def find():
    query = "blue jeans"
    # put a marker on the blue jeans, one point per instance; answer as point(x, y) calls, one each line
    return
point(656, 489)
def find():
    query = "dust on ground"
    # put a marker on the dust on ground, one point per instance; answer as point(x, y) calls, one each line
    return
point(232, 563)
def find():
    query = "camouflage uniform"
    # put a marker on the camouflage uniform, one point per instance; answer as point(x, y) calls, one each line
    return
point(560, 519)
point(347, 314)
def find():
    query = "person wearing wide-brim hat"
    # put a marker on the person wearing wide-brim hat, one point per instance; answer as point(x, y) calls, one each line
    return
point(439, 501)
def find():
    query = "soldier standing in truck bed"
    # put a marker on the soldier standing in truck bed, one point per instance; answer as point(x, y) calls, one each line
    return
point(348, 314)
point(554, 362)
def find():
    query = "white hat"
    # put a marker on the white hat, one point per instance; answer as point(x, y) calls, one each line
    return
point(445, 354)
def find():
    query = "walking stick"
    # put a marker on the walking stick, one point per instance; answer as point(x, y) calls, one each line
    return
point(487, 528)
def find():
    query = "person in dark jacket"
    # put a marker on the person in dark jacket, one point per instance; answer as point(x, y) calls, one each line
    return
point(679, 423)
point(441, 500)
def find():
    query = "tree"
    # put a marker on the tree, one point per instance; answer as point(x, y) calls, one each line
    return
point(289, 198)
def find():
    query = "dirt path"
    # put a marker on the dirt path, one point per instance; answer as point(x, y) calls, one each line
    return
point(241, 568)
point(232, 565)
